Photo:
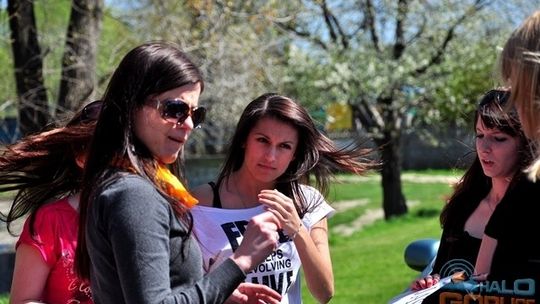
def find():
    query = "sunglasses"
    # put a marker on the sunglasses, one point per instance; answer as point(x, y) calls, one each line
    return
point(498, 96)
point(91, 111)
point(177, 111)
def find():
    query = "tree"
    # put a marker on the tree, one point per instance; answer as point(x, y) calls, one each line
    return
point(28, 57)
point(234, 43)
point(78, 80)
point(389, 60)
point(33, 107)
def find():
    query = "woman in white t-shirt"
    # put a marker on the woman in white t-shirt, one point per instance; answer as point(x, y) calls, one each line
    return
point(273, 153)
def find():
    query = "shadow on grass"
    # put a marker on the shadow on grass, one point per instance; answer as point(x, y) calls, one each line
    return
point(427, 213)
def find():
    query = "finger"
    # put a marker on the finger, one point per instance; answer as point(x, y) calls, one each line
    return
point(270, 199)
point(429, 281)
point(276, 196)
point(422, 283)
point(418, 285)
point(279, 216)
point(266, 217)
point(269, 299)
point(272, 203)
point(261, 289)
point(281, 195)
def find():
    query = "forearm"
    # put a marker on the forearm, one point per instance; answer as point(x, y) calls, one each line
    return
point(485, 256)
point(316, 263)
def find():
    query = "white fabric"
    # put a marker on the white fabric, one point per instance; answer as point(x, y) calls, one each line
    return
point(219, 232)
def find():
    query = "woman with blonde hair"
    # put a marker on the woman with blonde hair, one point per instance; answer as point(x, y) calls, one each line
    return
point(509, 252)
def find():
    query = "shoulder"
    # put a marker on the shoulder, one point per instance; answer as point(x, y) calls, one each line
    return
point(54, 209)
point(129, 193)
point(311, 193)
point(128, 185)
point(50, 220)
point(317, 207)
point(521, 191)
point(204, 193)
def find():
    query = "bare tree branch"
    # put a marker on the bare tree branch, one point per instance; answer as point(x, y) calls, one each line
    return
point(371, 25)
point(332, 22)
point(302, 34)
point(439, 52)
point(399, 45)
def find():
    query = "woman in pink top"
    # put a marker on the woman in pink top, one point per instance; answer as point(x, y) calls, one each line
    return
point(45, 170)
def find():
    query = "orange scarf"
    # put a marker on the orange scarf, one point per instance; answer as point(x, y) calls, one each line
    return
point(173, 187)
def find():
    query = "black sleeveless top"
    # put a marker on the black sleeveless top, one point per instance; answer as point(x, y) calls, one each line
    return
point(216, 202)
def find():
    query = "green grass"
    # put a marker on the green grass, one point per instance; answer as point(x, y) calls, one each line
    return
point(368, 265)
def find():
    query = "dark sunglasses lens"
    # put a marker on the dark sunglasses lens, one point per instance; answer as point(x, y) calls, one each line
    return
point(175, 111)
point(498, 96)
point(198, 116)
point(92, 110)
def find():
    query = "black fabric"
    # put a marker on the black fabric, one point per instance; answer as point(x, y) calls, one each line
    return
point(216, 201)
point(459, 247)
point(456, 251)
point(515, 225)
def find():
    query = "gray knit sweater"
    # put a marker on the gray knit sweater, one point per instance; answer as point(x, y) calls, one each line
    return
point(135, 246)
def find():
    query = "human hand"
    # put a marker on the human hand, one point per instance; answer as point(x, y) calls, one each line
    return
point(249, 293)
point(425, 282)
point(260, 239)
point(284, 209)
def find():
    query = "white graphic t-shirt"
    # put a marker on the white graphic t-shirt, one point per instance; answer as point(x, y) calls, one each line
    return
point(220, 231)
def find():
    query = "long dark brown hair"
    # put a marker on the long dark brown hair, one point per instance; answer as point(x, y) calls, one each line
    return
point(42, 167)
point(147, 70)
point(475, 185)
point(316, 155)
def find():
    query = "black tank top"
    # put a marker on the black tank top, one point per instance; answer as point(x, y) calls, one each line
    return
point(216, 202)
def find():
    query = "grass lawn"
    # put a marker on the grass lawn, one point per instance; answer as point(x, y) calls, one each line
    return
point(368, 265)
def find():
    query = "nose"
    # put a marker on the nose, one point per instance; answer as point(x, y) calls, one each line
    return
point(186, 124)
point(483, 145)
point(270, 154)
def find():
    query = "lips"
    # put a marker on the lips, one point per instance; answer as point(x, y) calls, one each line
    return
point(487, 163)
point(178, 140)
point(266, 167)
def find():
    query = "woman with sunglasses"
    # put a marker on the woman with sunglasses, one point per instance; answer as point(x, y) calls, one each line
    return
point(135, 239)
point(275, 149)
point(46, 171)
point(502, 152)
point(509, 250)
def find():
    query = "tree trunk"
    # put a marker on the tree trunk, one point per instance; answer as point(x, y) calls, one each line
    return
point(79, 61)
point(28, 60)
point(393, 198)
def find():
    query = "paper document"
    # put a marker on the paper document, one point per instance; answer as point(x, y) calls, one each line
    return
point(416, 297)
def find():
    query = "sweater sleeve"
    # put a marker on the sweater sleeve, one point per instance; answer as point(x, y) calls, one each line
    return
point(148, 245)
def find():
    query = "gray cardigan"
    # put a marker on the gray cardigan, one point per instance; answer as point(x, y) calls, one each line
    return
point(135, 244)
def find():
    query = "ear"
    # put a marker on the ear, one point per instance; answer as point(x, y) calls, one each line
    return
point(80, 160)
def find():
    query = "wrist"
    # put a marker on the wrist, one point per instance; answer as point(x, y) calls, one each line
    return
point(295, 233)
point(243, 262)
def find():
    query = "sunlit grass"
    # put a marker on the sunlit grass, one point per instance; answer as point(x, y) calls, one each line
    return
point(369, 265)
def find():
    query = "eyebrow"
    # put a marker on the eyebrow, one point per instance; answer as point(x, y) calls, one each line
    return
point(266, 136)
